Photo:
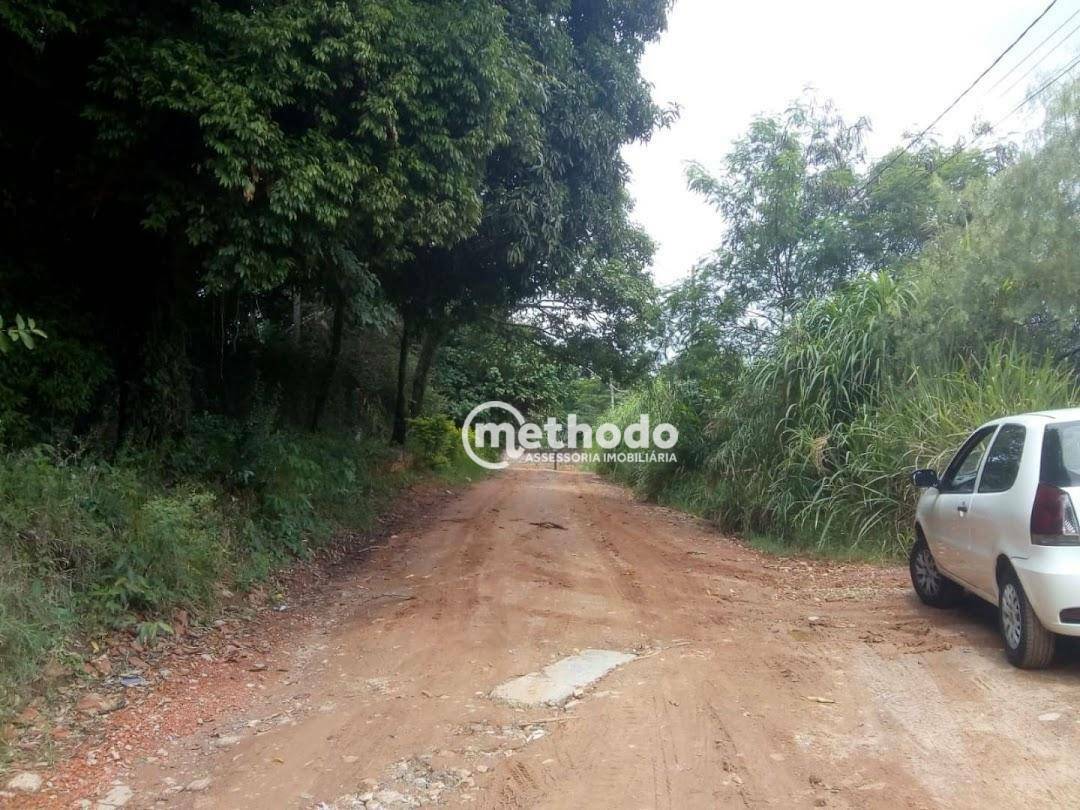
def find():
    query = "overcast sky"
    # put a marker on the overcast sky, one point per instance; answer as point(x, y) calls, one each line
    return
point(898, 63)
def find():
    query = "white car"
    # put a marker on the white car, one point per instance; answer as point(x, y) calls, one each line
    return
point(1001, 522)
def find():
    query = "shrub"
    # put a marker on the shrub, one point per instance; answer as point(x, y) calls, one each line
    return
point(87, 545)
point(435, 441)
point(170, 551)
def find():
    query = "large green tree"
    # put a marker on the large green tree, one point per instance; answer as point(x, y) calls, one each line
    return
point(554, 193)
point(307, 127)
point(604, 317)
point(1012, 268)
point(207, 152)
point(784, 196)
point(803, 213)
point(245, 175)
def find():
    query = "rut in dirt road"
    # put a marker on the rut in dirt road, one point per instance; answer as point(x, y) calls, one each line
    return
point(756, 680)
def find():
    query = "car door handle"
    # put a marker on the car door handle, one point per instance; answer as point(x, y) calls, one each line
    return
point(962, 509)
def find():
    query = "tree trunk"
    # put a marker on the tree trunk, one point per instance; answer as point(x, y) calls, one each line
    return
point(323, 392)
point(297, 312)
point(429, 347)
point(123, 412)
point(402, 370)
point(155, 373)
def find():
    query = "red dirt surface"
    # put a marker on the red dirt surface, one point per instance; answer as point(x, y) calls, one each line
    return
point(760, 681)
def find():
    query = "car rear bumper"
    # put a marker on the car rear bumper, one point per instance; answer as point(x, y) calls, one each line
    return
point(1051, 580)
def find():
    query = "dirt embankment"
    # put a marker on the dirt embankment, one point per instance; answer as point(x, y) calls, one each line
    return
point(757, 680)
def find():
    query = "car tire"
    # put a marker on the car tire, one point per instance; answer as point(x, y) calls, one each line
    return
point(1028, 644)
point(932, 586)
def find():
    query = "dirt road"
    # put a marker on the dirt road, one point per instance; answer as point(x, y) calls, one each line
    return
point(759, 680)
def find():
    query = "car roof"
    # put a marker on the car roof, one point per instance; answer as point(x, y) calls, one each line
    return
point(1061, 414)
point(1039, 417)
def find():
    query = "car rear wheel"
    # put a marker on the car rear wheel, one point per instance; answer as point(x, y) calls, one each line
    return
point(932, 586)
point(1028, 644)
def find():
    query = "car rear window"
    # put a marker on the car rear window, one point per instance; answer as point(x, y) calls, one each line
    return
point(1003, 461)
point(1061, 455)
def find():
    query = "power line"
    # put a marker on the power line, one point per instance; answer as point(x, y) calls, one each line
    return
point(1044, 57)
point(1040, 90)
point(1035, 50)
point(873, 178)
point(960, 149)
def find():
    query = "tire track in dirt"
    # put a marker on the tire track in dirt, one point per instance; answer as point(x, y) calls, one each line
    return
point(761, 681)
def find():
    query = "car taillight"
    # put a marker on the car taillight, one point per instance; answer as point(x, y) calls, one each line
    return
point(1053, 519)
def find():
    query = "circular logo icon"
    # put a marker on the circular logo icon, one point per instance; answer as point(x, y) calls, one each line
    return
point(513, 451)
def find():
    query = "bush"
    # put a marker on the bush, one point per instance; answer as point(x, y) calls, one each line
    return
point(167, 553)
point(44, 392)
point(435, 441)
point(94, 545)
point(86, 546)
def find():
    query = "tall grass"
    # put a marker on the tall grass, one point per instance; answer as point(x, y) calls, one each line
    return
point(680, 403)
point(773, 439)
point(866, 498)
point(92, 545)
point(815, 445)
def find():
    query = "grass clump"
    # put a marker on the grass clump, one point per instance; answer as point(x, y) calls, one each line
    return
point(88, 546)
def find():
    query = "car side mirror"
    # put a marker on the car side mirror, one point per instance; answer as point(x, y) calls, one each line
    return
point(925, 479)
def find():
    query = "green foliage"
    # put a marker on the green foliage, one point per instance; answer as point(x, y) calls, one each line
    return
point(87, 545)
point(962, 308)
point(35, 21)
point(36, 611)
point(288, 151)
point(815, 443)
point(166, 552)
point(436, 444)
point(1013, 270)
point(604, 317)
point(123, 549)
point(554, 246)
point(784, 197)
point(44, 393)
point(803, 214)
point(450, 159)
point(866, 497)
point(434, 440)
point(21, 331)
point(287, 489)
point(677, 402)
point(912, 197)
point(510, 365)
point(587, 397)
